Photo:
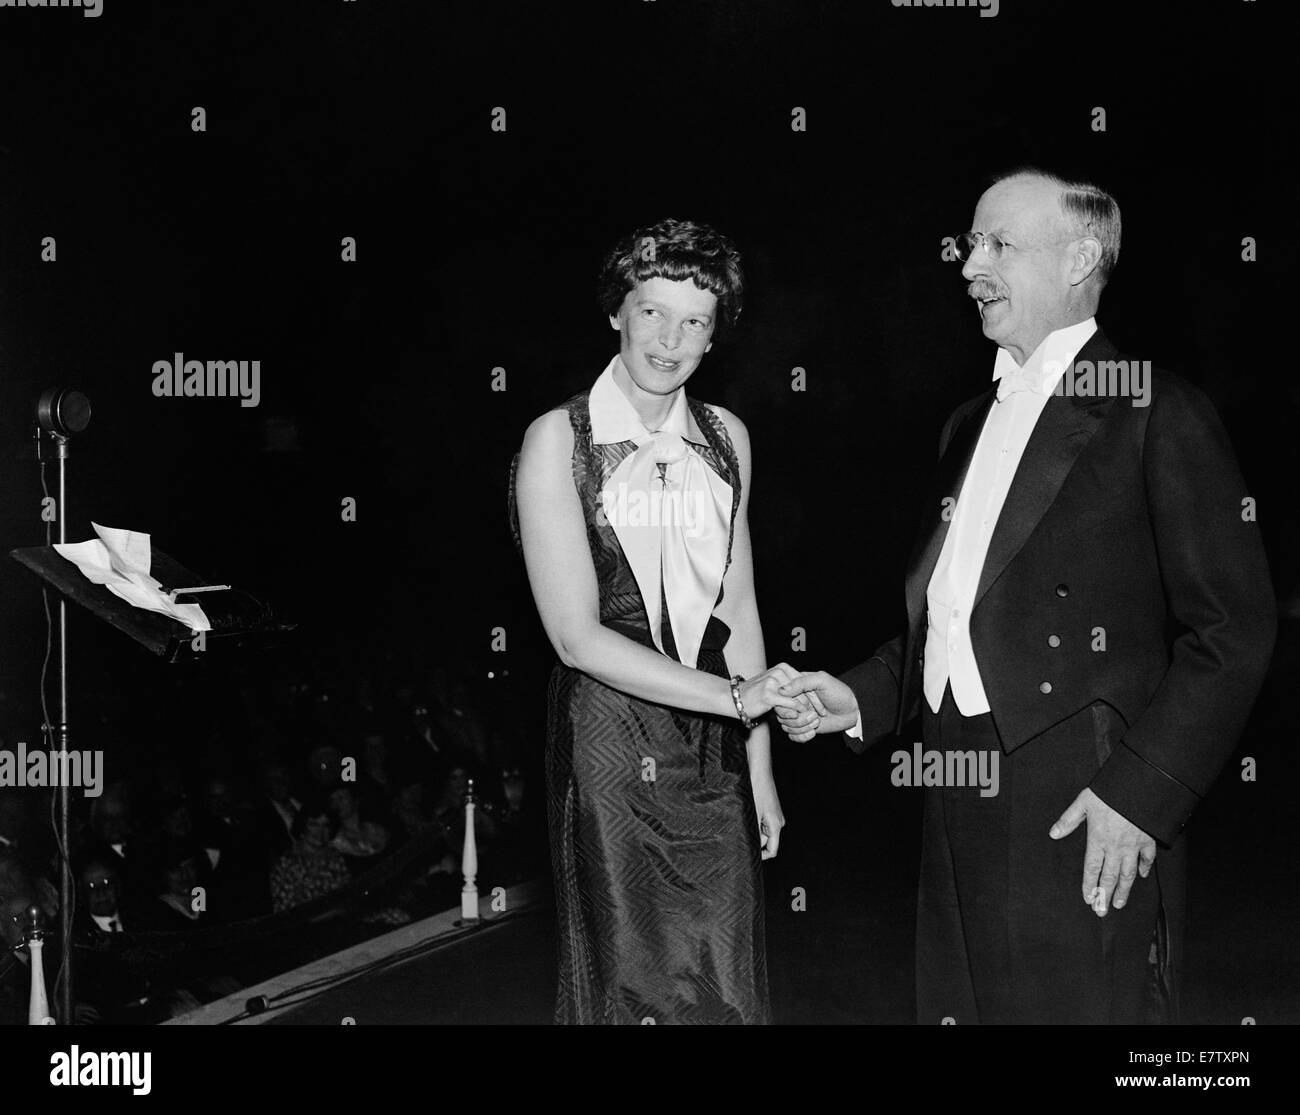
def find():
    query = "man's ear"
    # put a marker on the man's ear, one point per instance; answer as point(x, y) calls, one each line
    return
point(613, 321)
point(1086, 258)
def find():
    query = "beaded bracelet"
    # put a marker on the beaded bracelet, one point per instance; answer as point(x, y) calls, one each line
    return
point(748, 721)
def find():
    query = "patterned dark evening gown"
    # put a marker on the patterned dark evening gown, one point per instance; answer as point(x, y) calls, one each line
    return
point(658, 882)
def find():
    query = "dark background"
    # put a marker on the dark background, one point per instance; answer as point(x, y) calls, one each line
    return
point(478, 249)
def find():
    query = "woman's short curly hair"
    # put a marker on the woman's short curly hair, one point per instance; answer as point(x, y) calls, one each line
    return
point(675, 250)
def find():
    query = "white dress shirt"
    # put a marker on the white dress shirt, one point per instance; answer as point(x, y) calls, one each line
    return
point(1023, 392)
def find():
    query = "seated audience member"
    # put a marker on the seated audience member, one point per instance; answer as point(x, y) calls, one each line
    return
point(411, 813)
point(117, 995)
point(178, 907)
point(215, 821)
point(101, 906)
point(449, 808)
point(176, 826)
point(313, 867)
point(356, 838)
point(376, 761)
point(377, 777)
point(276, 807)
point(176, 818)
point(237, 853)
point(113, 839)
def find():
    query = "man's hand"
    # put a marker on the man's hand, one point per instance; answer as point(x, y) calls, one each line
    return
point(1118, 851)
point(761, 694)
point(833, 702)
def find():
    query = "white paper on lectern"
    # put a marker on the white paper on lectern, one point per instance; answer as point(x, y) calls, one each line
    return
point(119, 560)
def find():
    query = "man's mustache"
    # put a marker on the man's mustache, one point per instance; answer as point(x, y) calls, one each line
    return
point(982, 288)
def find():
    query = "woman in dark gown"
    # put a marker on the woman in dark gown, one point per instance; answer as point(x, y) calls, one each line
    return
point(630, 505)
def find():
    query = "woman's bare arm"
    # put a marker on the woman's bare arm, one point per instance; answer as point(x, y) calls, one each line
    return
point(739, 607)
point(563, 580)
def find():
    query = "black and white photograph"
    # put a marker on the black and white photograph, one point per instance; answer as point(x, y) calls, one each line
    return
point(669, 512)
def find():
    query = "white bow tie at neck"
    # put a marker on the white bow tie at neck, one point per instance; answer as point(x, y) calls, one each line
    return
point(1039, 374)
point(1009, 385)
point(671, 514)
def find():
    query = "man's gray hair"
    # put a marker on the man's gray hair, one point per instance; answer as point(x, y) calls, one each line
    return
point(1090, 209)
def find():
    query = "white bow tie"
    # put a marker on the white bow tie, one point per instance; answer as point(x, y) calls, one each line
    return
point(1012, 377)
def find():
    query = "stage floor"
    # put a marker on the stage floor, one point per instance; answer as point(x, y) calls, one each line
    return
point(436, 971)
point(500, 974)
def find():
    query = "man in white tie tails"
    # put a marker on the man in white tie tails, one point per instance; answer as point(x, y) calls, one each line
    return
point(1087, 599)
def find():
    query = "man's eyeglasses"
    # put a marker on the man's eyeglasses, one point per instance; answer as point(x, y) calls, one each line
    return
point(967, 242)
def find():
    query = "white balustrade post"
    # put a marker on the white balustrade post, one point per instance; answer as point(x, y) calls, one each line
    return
point(38, 1004)
point(469, 862)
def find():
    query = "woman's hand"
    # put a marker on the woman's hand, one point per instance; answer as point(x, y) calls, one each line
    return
point(768, 807)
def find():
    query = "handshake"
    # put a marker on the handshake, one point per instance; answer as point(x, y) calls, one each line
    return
point(806, 704)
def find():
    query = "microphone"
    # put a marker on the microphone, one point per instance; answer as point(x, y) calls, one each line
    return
point(61, 411)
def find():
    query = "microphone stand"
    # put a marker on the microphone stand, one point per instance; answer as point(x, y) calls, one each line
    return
point(62, 412)
point(61, 735)
point(58, 742)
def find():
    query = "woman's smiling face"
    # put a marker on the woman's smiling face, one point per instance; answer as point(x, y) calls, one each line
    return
point(665, 326)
